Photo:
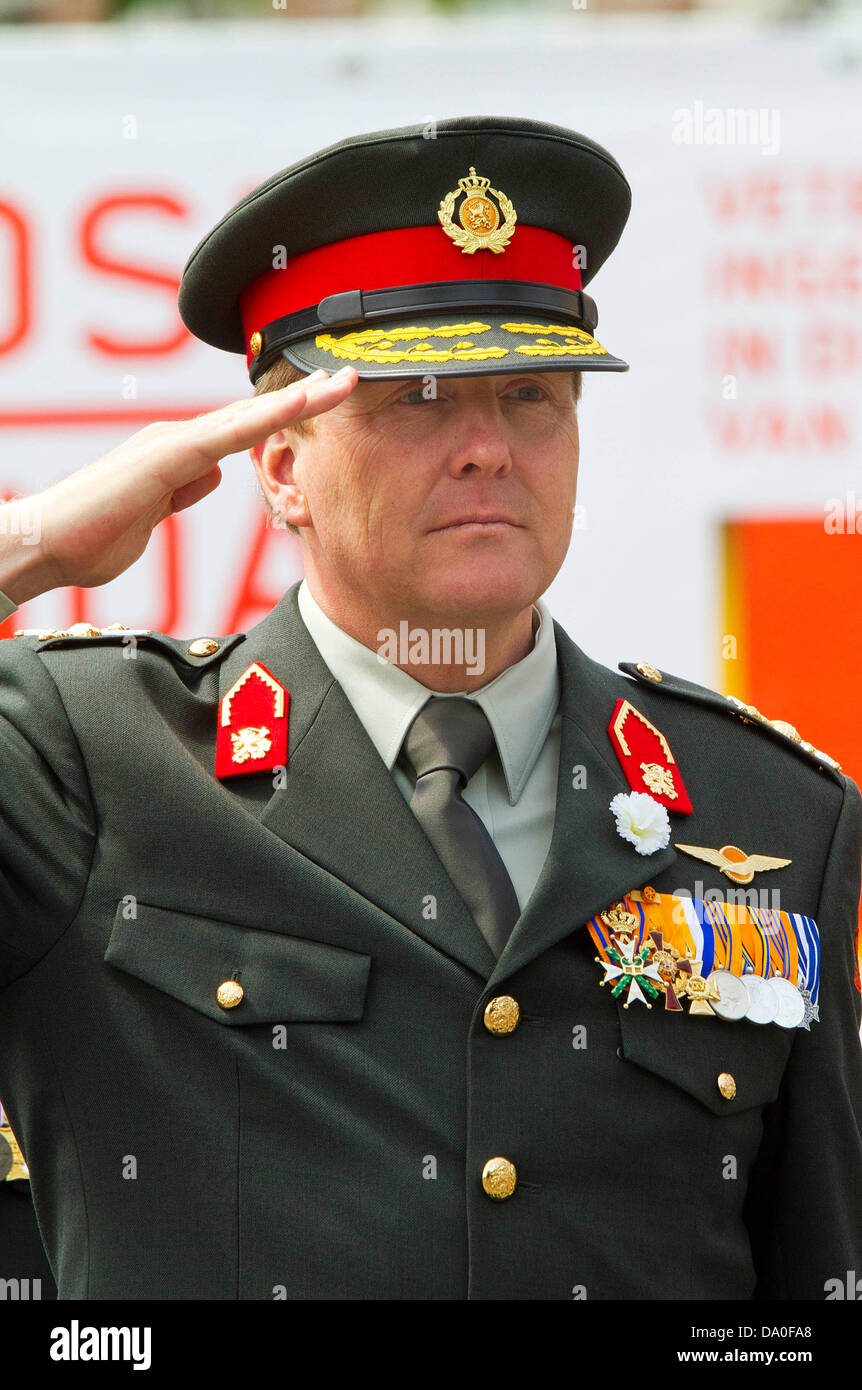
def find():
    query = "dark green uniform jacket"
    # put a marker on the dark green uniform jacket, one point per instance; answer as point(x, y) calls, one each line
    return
point(326, 1137)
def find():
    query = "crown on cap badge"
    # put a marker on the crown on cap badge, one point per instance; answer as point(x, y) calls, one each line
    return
point(486, 215)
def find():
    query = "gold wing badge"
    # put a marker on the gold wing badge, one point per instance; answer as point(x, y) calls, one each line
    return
point(734, 862)
point(486, 225)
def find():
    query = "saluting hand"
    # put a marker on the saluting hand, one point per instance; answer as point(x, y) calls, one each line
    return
point(93, 524)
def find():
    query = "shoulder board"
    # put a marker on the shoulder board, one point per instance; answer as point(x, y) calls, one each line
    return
point(779, 728)
point(192, 651)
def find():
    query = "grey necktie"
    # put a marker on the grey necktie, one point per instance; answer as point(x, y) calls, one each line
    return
point(446, 743)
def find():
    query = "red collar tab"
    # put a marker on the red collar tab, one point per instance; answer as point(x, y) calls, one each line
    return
point(252, 724)
point(646, 759)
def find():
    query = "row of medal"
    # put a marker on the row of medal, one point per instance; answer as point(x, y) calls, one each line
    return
point(656, 968)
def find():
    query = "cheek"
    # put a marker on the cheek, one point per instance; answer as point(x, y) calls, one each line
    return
point(552, 455)
point(355, 488)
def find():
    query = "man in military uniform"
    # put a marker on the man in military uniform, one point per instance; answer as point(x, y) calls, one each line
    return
point(329, 976)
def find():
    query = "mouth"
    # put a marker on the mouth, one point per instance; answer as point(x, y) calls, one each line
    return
point(478, 524)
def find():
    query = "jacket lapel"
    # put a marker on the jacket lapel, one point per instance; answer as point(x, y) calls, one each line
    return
point(589, 865)
point(339, 806)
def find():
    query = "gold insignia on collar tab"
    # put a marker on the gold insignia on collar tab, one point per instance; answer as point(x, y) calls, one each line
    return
point(480, 215)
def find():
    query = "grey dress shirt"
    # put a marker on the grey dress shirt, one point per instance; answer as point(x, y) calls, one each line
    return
point(514, 792)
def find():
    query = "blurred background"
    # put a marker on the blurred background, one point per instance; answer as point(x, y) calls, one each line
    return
point(719, 525)
point(46, 11)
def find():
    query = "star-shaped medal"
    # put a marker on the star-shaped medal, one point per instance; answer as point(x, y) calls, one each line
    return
point(812, 1011)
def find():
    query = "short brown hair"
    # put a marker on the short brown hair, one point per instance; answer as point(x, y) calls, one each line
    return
point(283, 373)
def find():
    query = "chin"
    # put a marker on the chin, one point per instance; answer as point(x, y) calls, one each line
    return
point(478, 591)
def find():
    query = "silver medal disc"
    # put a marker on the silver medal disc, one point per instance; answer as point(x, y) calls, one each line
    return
point(791, 1005)
point(763, 1001)
point(733, 1000)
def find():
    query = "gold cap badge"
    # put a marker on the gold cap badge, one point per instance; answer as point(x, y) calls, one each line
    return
point(481, 213)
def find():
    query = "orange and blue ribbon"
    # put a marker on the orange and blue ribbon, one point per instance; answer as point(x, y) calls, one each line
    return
point(729, 936)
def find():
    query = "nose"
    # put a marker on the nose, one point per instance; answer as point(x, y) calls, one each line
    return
point(480, 440)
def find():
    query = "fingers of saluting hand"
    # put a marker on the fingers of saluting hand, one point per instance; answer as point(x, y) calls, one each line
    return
point(244, 423)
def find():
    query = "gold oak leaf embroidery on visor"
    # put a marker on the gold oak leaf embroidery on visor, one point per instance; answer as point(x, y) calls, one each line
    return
point(576, 342)
point(376, 345)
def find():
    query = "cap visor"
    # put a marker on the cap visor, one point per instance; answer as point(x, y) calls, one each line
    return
point(445, 346)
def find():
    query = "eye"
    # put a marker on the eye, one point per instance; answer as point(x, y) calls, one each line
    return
point(415, 396)
point(529, 386)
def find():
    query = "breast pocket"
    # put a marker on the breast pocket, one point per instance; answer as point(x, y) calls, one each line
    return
point(728, 1067)
point(282, 979)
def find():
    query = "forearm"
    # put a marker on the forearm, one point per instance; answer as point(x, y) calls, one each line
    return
point(22, 565)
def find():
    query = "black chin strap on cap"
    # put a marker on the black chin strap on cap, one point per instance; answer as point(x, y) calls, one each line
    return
point(370, 306)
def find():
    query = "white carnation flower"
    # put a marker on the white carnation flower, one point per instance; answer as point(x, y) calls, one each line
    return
point(642, 820)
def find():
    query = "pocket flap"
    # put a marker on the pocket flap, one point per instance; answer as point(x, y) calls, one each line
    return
point(693, 1051)
point(287, 979)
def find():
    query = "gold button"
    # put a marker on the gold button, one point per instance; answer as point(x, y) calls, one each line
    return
point(229, 994)
point(650, 894)
point(727, 1085)
point(652, 673)
point(255, 343)
point(203, 646)
point(498, 1178)
point(502, 1014)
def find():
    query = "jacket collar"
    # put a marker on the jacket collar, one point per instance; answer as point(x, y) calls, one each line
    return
point(339, 805)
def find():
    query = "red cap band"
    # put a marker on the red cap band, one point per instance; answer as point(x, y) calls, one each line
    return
point(402, 256)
